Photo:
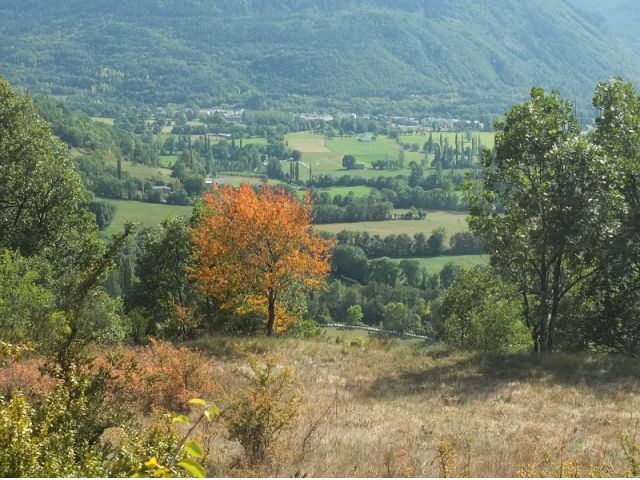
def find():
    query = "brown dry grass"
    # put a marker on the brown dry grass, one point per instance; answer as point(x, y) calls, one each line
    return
point(412, 410)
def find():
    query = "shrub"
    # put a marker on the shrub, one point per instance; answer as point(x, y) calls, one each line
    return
point(165, 377)
point(480, 311)
point(264, 407)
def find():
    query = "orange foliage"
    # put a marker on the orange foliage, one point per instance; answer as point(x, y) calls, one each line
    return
point(24, 375)
point(253, 248)
point(159, 376)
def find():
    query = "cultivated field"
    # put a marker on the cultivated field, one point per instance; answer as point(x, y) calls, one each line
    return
point(383, 148)
point(452, 222)
point(325, 156)
point(374, 408)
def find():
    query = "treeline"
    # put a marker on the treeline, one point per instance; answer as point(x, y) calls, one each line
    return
point(393, 295)
point(402, 245)
point(391, 192)
point(464, 152)
point(351, 208)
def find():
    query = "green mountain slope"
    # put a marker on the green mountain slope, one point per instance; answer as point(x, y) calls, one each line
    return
point(444, 56)
point(619, 18)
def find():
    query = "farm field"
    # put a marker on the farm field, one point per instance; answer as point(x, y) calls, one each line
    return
point(325, 156)
point(452, 222)
point(147, 214)
point(383, 148)
point(436, 264)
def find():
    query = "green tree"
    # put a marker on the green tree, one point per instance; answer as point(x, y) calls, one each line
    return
point(25, 302)
point(397, 317)
point(383, 270)
point(480, 311)
point(164, 288)
point(412, 272)
point(609, 320)
point(349, 162)
point(350, 261)
point(41, 196)
point(436, 242)
point(354, 315)
point(543, 208)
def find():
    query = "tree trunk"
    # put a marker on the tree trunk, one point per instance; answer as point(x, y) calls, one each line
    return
point(271, 318)
point(556, 297)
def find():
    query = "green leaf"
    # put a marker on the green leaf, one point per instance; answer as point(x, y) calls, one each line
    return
point(194, 449)
point(194, 468)
point(212, 412)
point(198, 401)
point(180, 419)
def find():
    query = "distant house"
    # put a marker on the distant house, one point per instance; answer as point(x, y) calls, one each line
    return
point(163, 188)
point(365, 138)
point(217, 181)
point(360, 166)
point(314, 117)
point(220, 136)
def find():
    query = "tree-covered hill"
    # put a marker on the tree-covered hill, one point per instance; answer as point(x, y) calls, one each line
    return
point(463, 57)
point(618, 17)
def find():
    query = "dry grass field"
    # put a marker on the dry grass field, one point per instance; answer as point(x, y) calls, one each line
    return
point(452, 222)
point(374, 408)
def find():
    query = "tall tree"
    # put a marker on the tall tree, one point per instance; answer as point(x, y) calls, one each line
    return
point(544, 207)
point(164, 288)
point(256, 250)
point(40, 193)
point(611, 318)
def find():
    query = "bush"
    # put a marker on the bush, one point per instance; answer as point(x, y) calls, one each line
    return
point(166, 377)
point(304, 329)
point(480, 311)
point(265, 407)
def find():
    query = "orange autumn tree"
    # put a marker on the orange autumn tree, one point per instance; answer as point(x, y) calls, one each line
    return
point(252, 249)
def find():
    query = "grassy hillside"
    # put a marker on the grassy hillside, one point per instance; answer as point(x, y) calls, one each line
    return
point(409, 409)
point(442, 57)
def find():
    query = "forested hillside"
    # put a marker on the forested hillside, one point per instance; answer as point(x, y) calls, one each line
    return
point(617, 17)
point(457, 57)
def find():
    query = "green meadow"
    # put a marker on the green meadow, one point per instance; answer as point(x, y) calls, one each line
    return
point(145, 214)
point(486, 138)
point(325, 156)
point(436, 264)
point(167, 161)
point(145, 171)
